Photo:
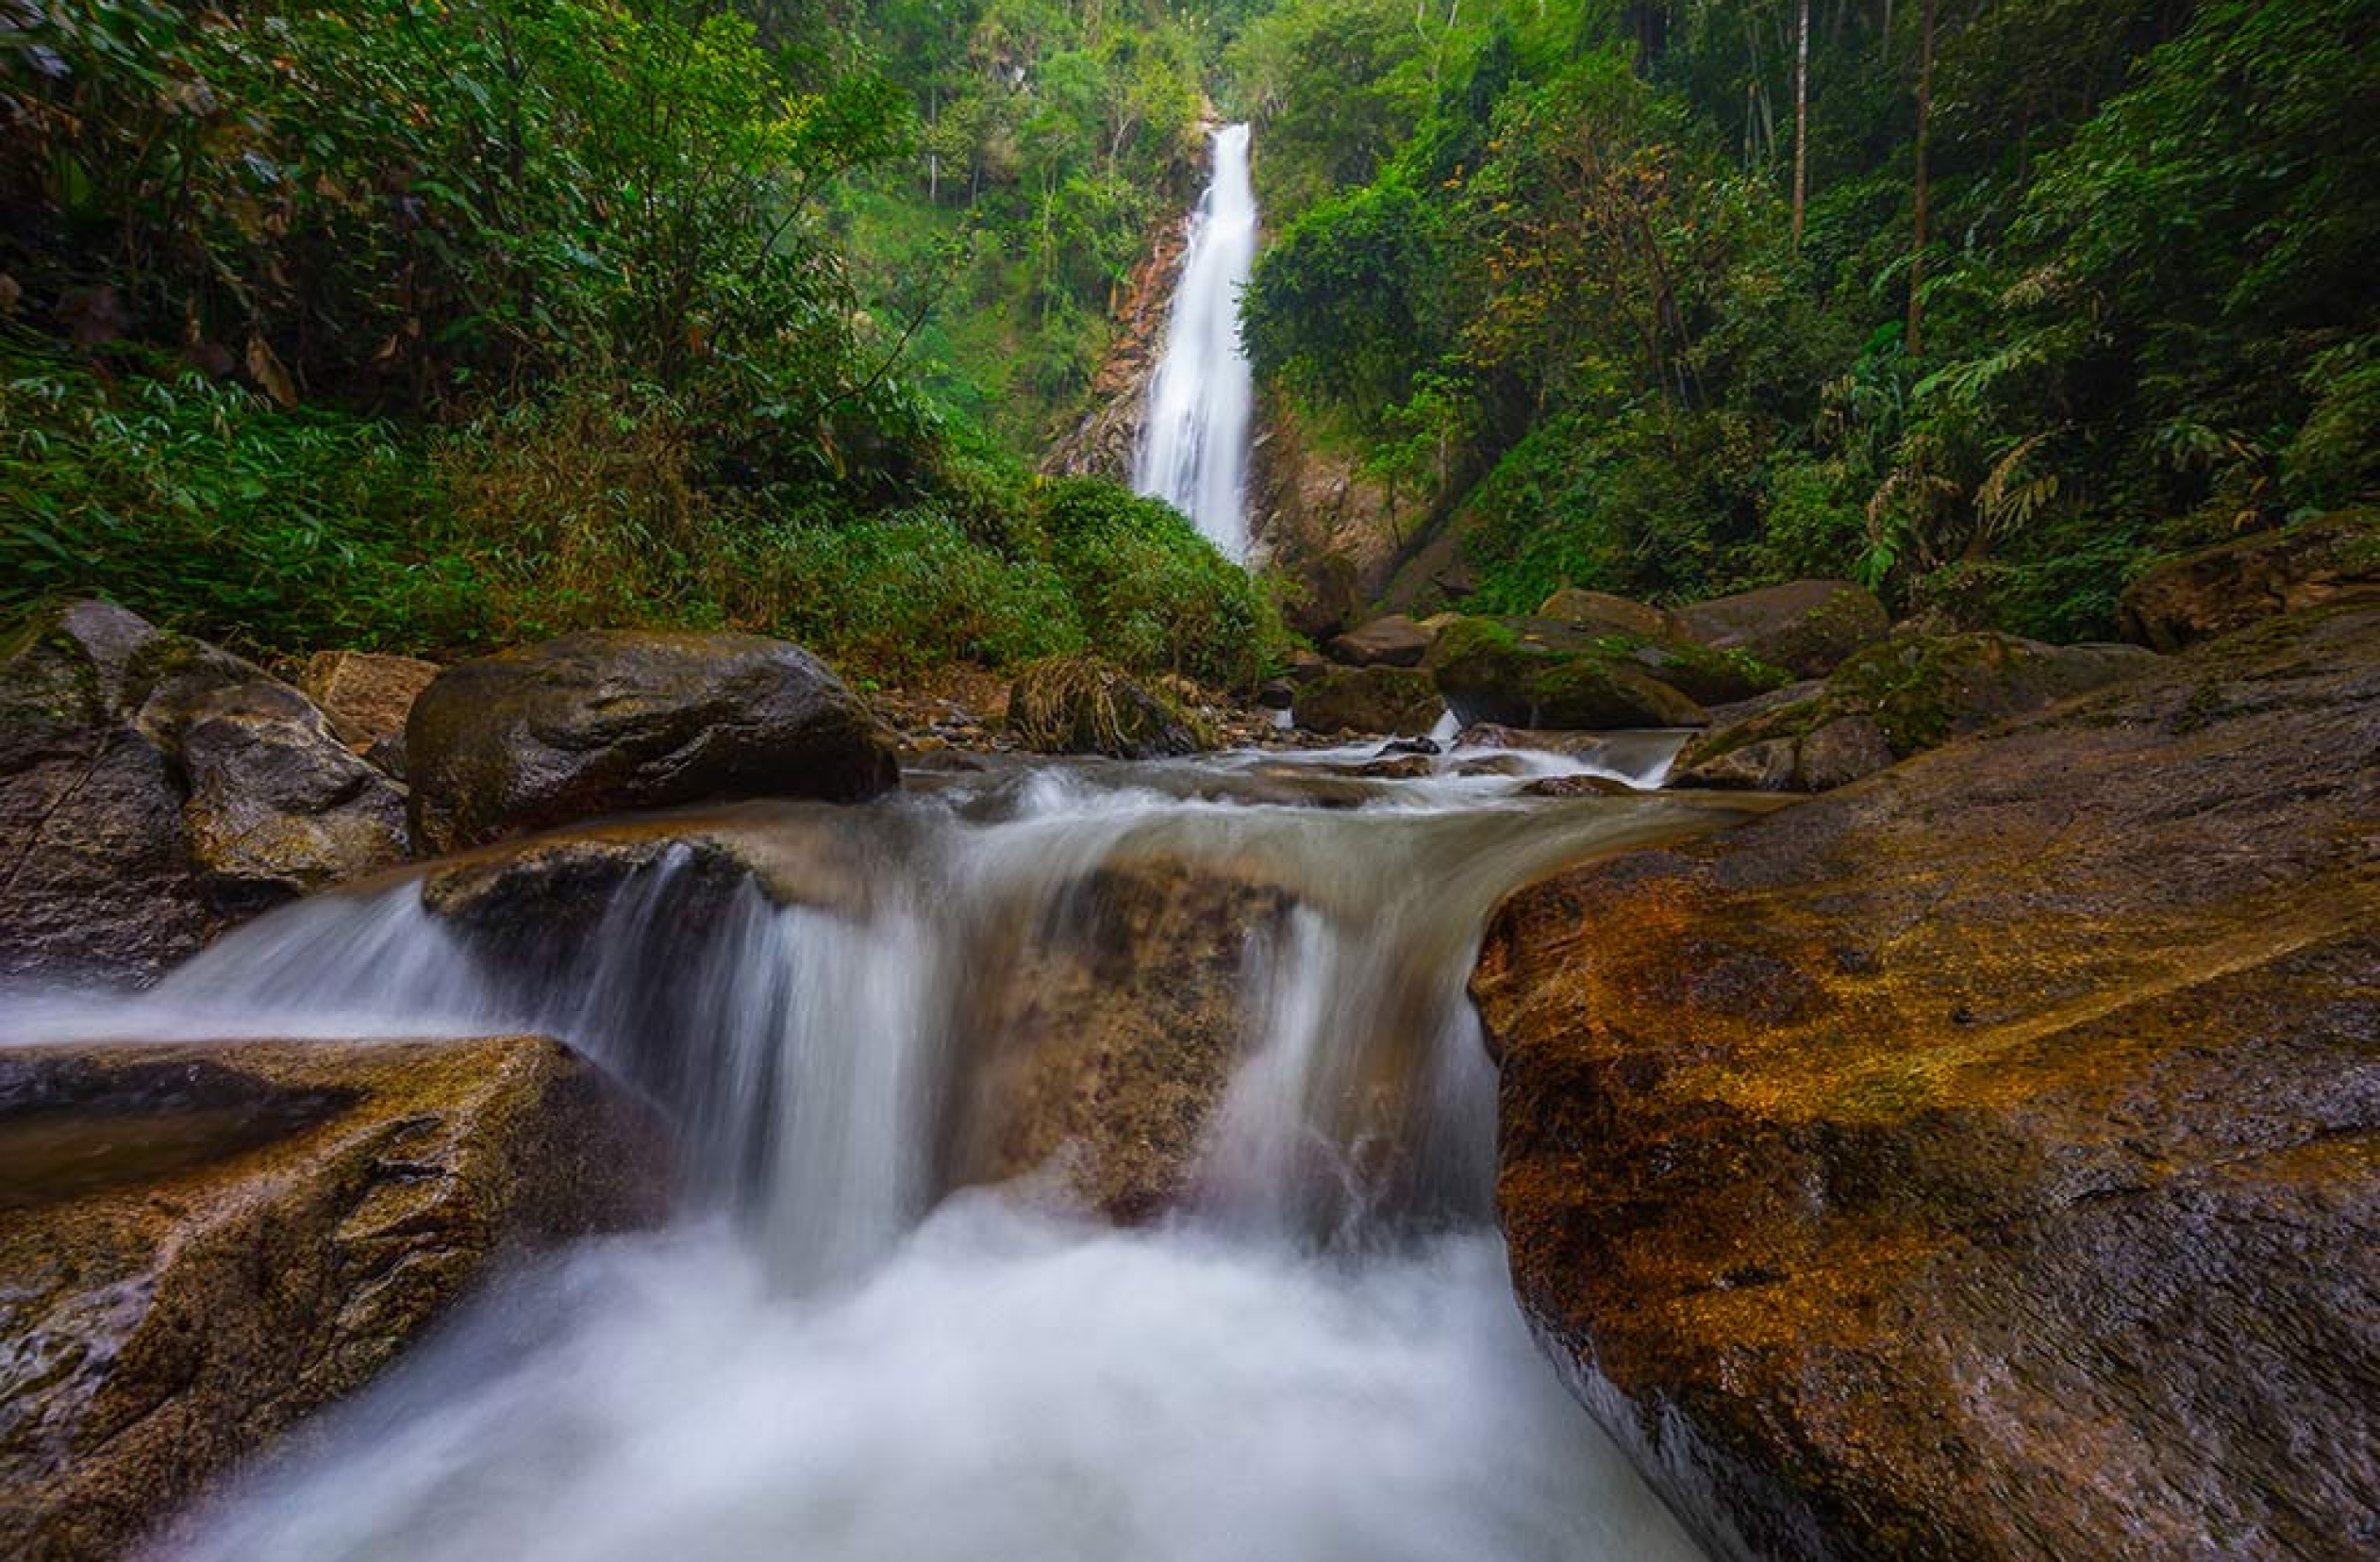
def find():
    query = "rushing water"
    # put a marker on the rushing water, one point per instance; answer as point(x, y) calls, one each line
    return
point(838, 1351)
point(1195, 444)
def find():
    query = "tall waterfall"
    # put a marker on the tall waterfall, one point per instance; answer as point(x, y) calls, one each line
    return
point(838, 1354)
point(1194, 445)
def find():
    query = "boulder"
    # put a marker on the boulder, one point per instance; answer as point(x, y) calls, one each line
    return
point(154, 789)
point(1601, 613)
point(1104, 1037)
point(1399, 700)
point(1084, 705)
point(608, 720)
point(1526, 672)
point(205, 1243)
point(1806, 627)
point(277, 808)
point(1983, 1163)
point(2206, 595)
point(1911, 693)
point(366, 696)
point(1393, 642)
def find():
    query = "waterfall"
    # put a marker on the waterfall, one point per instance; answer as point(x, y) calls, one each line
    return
point(842, 1351)
point(1195, 444)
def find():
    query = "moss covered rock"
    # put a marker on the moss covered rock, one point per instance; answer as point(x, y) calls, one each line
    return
point(1807, 627)
point(1983, 1164)
point(1086, 704)
point(1403, 700)
point(1533, 672)
point(1910, 693)
point(2219, 589)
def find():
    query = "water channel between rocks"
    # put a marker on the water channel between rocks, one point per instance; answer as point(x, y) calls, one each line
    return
point(844, 1350)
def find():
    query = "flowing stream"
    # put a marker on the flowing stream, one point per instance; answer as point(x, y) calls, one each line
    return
point(1194, 443)
point(842, 1350)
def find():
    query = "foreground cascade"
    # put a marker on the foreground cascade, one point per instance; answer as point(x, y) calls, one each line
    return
point(1034, 1123)
point(1983, 1161)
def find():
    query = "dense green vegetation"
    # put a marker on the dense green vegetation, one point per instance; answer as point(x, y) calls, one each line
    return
point(436, 324)
point(2075, 282)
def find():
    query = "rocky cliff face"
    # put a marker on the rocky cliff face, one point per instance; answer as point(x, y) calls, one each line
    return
point(1107, 440)
point(1983, 1161)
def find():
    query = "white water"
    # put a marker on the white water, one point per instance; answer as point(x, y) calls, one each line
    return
point(1194, 443)
point(838, 1354)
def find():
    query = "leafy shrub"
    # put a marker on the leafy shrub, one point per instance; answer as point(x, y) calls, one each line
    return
point(206, 507)
point(1153, 594)
point(894, 596)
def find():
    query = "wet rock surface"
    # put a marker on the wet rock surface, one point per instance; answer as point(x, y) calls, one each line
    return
point(1984, 1161)
point(152, 790)
point(1393, 642)
point(2225, 588)
point(1105, 1037)
point(277, 808)
point(1911, 693)
point(1398, 700)
point(364, 695)
point(205, 1243)
point(608, 720)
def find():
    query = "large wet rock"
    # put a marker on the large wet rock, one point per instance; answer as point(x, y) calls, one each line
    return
point(1807, 627)
point(1602, 613)
point(1402, 701)
point(611, 720)
point(1102, 1038)
point(1084, 705)
point(2232, 584)
point(1536, 673)
point(154, 789)
point(1984, 1162)
point(202, 1244)
point(1393, 642)
point(277, 808)
point(1911, 693)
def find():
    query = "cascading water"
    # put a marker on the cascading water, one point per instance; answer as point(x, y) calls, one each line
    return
point(1195, 444)
point(836, 1353)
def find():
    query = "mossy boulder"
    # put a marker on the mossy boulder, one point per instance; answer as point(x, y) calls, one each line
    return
point(1534, 672)
point(1807, 627)
point(204, 1244)
point(1602, 613)
point(2215, 591)
point(1911, 693)
point(612, 721)
point(1983, 1164)
point(1403, 700)
point(1086, 704)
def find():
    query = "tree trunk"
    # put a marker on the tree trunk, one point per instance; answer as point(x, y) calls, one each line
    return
point(1802, 122)
point(1925, 127)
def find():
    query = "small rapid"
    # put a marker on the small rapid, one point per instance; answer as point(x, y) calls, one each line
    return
point(844, 1348)
point(1195, 442)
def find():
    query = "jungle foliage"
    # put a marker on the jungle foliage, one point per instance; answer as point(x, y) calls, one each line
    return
point(1545, 262)
point(437, 323)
